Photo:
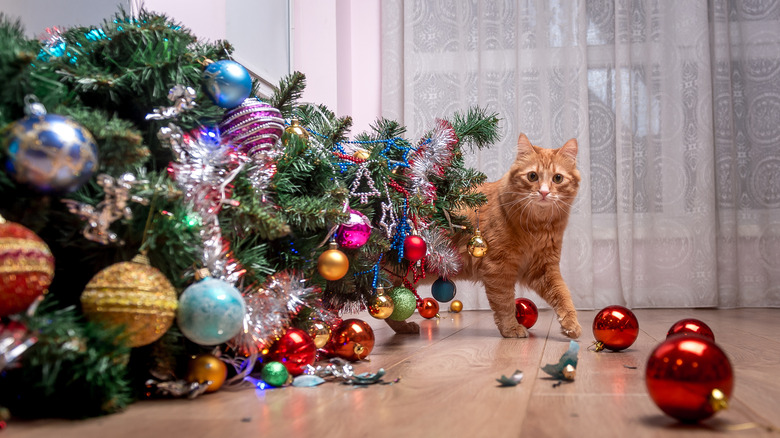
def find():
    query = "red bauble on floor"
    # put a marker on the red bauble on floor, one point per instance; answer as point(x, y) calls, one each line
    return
point(615, 328)
point(526, 312)
point(429, 308)
point(294, 349)
point(691, 326)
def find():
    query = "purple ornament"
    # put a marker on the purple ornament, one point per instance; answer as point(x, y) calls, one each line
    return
point(253, 127)
point(355, 232)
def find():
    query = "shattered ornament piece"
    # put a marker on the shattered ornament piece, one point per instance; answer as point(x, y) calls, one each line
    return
point(566, 367)
point(513, 380)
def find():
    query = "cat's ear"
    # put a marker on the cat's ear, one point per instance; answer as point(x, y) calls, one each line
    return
point(524, 147)
point(569, 149)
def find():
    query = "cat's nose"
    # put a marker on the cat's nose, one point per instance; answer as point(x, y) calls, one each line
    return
point(544, 191)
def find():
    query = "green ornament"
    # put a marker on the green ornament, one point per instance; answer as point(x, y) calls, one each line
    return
point(275, 374)
point(404, 303)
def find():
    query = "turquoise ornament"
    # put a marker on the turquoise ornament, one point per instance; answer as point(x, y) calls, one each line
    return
point(50, 153)
point(227, 83)
point(210, 312)
point(275, 374)
point(443, 290)
point(404, 303)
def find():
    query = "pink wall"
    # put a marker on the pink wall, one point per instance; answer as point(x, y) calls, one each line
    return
point(337, 44)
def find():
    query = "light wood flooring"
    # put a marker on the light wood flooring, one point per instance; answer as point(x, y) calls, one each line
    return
point(448, 389)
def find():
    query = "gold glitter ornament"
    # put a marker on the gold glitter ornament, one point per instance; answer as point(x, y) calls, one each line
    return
point(26, 267)
point(295, 128)
point(477, 247)
point(381, 305)
point(456, 306)
point(135, 295)
point(207, 368)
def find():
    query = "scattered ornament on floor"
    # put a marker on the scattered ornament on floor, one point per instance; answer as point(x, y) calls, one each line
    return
point(15, 339)
point(295, 349)
point(227, 83)
point(429, 308)
point(456, 306)
point(49, 152)
point(339, 369)
point(414, 248)
point(443, 290)
point(615, 328)
point(175, 388)
point(689, 377)
point(526, 312)
point(307, 381)
point(352, 340)
point(132, 294)
point(275, 374)
point(211, 311)
point(404, 303)
point(630, 367)
point(566, 368)
point(319, 332)
point(26, 267)
point(355, 232)
point(691, 326)
point(207, 370)
point(381, 305)
point(297, 130)
point(332, 263)
point(513, 380)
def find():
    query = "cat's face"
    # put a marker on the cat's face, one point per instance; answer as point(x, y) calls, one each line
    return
point(544, 181)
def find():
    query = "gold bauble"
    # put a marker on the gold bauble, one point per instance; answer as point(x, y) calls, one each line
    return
point(132, 294)
point(295, 128)
point(319, 332)
point(361, 154)
point(456, 306)
point(205, 367)
point(333, 264)
point(381, 305)
point(478, 247)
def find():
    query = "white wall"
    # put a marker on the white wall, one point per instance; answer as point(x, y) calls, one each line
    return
point(37, 15)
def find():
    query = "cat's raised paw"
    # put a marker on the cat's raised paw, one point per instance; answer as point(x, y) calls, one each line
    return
point(570, 327)
point(513, 331)
point(404, 327)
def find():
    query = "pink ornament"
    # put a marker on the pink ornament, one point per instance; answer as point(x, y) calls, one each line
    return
point(355, 232)
point(252, 127)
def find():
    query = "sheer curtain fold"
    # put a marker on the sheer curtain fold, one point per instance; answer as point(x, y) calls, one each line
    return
point(676, 108)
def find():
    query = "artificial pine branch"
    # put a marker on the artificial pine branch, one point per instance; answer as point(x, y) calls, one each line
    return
point(288, 92)
point(476, 128)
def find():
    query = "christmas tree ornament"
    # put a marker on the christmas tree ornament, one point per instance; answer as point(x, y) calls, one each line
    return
point(526, 312)
point(429, 308)
point(253, 128)
point(456, 306)
point(319, 332)
point(442, 255)
point(566, 368)
point(26, 267)
point(352, 340)
point(295, 349)
point(227, 83)
point(404, 303)
point(297, 130)
point(15, 339)
point(361, 154)
point(380, 305)
point(415, 248)
point(134, 295)
point(477, 245)
point(363, 174)
point(333, 264)
point(275, 374)
point(691, 326)
point(443, 290)
point(211, 311)
point(183, 99)
point(615, 328)
point(429, 159)
point(355, 232)
point(689, 378)
point(207, 369)
point(49, 152)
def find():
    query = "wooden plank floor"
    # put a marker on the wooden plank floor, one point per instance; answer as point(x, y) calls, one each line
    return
point(448, 388)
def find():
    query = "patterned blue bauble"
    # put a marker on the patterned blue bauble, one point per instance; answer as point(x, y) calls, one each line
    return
point(50, 153)
point(443, 290)
point(227, 83)
point(210, 312)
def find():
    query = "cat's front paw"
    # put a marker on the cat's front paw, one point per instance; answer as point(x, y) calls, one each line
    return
point(404, 327)
point(570, 327)
point(512, 330)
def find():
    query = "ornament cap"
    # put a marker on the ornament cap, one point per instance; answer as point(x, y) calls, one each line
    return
point(598, 345)
point(718, 400)
point(2, 219)
point(141, 259)
point(359, 350)
point(569, 372)
point(202, 273)
point(333, 245)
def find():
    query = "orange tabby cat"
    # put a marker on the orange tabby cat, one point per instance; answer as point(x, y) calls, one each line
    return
point(523, 223)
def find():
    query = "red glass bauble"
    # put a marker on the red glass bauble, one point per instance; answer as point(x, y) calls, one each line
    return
point(689, 377)
point(526, 312)
point(295, 349)
point(429, 308)
point(352, 340)
point(691, 326)
point(26, 267)
point(615, 328)
point(414, 248)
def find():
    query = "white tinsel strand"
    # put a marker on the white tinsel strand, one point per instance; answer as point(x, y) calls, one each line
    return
point(432, 156)
point(443, 257)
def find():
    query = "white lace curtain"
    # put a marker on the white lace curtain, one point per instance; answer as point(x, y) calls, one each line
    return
point(676, 107)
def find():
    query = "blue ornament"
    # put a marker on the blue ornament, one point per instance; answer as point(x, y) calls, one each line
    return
point(50, 153)
point(210, 312)
point(443, 290)
point(227, 83)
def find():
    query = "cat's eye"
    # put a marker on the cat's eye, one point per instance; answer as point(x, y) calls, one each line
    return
point(533, 176)
point(558, 178)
